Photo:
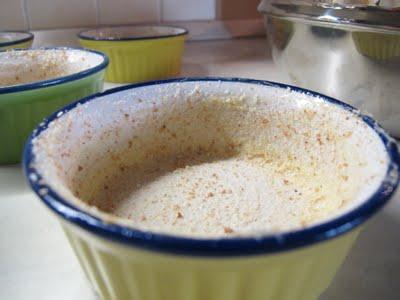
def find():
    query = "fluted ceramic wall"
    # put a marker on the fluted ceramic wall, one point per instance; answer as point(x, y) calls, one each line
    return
point(121, 272)
point(141, 60)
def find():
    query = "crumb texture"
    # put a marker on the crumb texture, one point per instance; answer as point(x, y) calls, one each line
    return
point(212, 159)
point(26, 66)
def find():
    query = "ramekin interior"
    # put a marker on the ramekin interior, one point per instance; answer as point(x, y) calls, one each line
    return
point(8, 38)
point(96, 61)
point(55, 196)
point(121, 33)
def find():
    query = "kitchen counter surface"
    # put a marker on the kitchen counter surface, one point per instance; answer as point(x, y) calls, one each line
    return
point(36, 261)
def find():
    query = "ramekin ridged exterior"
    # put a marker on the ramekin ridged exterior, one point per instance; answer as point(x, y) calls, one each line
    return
point(122, 262)
point(23, 45)
point(117, 272)
point(379, 46)
point(138, 60)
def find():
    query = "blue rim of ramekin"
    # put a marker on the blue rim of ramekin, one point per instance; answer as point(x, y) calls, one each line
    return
point(152, 37)
point(57, 80)
point(216, 247)
point(17, 41)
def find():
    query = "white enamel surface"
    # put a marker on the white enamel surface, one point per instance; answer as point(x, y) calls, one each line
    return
point(29, 66)
point(316, 160)
point(126, 32)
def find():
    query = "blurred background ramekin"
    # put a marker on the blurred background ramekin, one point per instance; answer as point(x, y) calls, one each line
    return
point(138, 53)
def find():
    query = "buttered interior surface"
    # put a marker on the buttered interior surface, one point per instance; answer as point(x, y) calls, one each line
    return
point(27, 66)
point(211, 160)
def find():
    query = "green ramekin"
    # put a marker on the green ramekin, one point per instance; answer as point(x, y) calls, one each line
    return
point(23, 107)
point(15, 40)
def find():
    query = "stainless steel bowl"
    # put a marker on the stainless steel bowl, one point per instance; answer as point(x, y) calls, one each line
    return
point(349, 50)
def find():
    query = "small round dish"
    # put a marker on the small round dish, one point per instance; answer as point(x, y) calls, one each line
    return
point(138, 53)
point(15, 40)
point(23, 106)
point(298, 264)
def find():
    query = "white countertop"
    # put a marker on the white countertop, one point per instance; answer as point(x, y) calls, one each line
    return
point(36, 261)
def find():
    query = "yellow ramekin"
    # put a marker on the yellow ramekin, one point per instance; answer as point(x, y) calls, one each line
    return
point(138, 53)
point(15, 40)
point(122, 262)
point(118, 272)
point(377, 45)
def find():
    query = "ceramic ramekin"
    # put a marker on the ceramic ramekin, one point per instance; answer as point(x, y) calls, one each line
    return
point(138, 53)
point(23, 106)
point(379, 46)
point(15, 40)
point(126, 263)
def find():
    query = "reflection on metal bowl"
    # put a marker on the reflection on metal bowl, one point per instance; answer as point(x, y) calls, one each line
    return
point(280, 33)
point(327, 32)
point(379, 46)
point(352, 61)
